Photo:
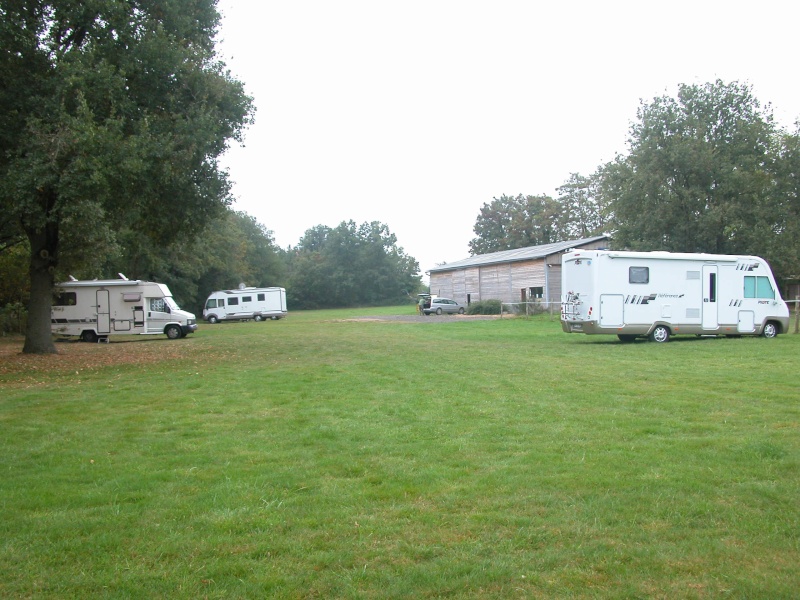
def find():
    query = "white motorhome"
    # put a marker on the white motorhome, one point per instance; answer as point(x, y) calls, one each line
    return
point(660, 294)
point(97, 309)
point(245, 303)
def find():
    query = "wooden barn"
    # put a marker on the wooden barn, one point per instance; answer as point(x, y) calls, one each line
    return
point(522, 275)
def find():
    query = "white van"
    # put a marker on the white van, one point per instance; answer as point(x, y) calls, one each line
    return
point(660, 294)
point(97, 309)
point(245, 303)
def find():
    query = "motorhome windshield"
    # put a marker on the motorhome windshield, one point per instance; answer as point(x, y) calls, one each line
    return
point(171, 303)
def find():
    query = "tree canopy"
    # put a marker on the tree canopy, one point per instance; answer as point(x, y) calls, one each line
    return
point(707, 171)
point(510, 222)
point(349, 265)
point(232, 249)
point(583, 210)
point(112, 117)
point(698, 174)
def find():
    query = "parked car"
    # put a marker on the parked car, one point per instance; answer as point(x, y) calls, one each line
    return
point(444, 305)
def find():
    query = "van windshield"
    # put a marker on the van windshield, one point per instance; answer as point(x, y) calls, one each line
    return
point(171, 303)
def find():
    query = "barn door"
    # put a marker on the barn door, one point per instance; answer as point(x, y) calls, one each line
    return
point(103, 312)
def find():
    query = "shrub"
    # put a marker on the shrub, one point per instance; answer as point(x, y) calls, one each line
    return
point(484, 307)
point(13, 318)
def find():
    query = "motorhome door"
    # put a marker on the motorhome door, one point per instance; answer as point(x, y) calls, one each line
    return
point(103, 312)
point(710, 287)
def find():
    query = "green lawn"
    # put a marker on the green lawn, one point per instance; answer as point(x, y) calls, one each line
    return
point(326, 457)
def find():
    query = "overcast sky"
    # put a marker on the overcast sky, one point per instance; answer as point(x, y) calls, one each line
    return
point(416, 113)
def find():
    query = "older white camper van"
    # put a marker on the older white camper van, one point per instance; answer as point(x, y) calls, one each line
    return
point(660, 294)
point(245, 303)
point(97, 309)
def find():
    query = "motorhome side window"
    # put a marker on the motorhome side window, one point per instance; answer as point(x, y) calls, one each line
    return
point(639, 275)
point(758, 287)
point(158, 305)
point(233, 301)
point(262, 297)
point(247, 298)
point(66, 299)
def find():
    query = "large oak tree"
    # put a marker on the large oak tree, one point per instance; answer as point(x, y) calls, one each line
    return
point(113, 114)
point(700, 175)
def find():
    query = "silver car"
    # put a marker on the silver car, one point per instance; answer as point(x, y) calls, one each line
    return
point(444, 305)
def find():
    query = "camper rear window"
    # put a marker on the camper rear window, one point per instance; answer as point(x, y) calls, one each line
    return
point(66, 299)
point(758, 287)
point(639, 275)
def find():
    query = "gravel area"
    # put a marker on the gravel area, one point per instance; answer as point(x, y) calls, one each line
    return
point(429, 319)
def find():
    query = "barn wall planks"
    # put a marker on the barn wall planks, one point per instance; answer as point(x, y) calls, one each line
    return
point(504, 281)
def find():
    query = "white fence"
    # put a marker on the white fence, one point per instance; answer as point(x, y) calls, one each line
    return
point(527, 309)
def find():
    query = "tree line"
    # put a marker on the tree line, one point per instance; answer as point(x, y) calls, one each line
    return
point(511, 222)
point(346, 265)
point(349, 265)
point(707, 171)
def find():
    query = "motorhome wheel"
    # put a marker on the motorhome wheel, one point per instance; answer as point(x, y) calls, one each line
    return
point(770, 330)
point(660, 334)
point(212, 319)
point(89, 336)
point(258, 318)
point(173, 332)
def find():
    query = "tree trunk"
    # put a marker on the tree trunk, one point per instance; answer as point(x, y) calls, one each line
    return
point(38, 336)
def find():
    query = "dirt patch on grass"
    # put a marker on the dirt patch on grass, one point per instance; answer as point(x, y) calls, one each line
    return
point(77, 357)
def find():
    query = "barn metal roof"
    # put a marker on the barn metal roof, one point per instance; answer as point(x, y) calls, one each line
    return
point(505, 256)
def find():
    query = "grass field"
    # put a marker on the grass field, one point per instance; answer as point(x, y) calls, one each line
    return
point(323, 456)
